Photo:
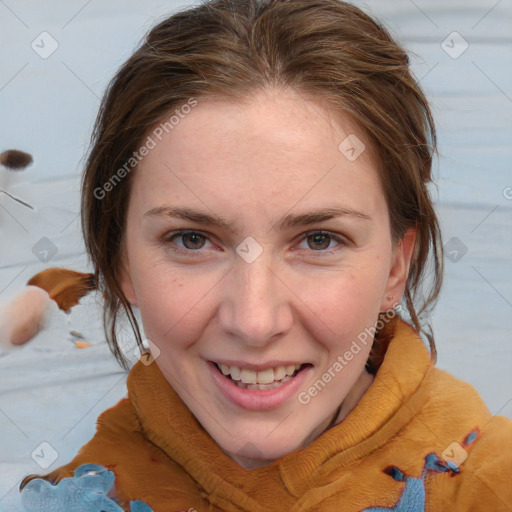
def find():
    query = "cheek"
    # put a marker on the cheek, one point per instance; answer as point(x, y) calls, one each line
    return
point(345, 299)
point(171, 303)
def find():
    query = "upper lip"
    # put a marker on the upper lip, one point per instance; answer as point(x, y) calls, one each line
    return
point(257, 367)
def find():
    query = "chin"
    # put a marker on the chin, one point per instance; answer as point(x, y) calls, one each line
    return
point(252, 456)
point(255, 450)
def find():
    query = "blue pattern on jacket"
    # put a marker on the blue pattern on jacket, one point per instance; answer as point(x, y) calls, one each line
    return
point(413, 496)
point(85, 491)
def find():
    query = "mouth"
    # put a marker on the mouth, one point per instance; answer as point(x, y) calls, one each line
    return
point(259, 388)
point(261, 380)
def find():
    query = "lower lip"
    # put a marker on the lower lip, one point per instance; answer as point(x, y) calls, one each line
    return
point(256, 399)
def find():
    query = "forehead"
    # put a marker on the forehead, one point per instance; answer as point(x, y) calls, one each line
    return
point(276, 149)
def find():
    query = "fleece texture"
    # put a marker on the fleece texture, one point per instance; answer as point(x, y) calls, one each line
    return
point(419, 440)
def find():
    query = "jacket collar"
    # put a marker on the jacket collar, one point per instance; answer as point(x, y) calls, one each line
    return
point(390, 402)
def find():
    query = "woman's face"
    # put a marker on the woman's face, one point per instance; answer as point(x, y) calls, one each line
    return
point(258, 239)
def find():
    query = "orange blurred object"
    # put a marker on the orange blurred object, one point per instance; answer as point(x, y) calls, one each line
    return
point(66, 287)
point(82, 344)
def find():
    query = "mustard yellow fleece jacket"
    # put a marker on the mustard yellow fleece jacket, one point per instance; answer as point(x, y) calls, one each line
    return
point(419, 440)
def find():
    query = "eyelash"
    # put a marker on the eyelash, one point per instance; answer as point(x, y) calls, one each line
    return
point(169, 238)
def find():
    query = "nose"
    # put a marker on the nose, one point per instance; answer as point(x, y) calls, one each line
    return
point(255, 306)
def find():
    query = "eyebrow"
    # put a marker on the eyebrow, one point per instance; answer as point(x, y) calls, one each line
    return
point(289, 221)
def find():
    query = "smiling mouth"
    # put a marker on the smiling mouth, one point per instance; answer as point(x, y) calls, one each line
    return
point(260, 380)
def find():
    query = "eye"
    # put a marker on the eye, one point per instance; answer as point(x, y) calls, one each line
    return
point(192, 241)
point(318, 241)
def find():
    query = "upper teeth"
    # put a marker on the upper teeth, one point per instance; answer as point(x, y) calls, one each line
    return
point(262, 377)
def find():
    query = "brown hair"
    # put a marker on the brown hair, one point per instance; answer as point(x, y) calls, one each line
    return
point(323, 49)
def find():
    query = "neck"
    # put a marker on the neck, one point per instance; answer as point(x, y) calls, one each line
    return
point(355, 394)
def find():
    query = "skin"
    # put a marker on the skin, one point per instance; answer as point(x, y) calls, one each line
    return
point(304, 299)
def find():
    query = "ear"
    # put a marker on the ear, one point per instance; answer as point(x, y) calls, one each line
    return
point(399, 271)
point(126, 283)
